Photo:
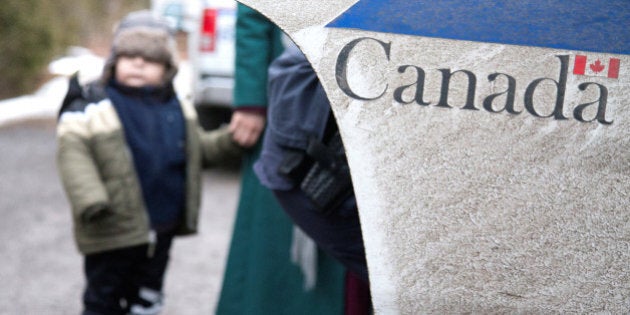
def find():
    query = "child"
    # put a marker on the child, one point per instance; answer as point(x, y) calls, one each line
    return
point(130, 156)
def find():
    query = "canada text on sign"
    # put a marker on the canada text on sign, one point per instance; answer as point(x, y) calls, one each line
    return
point(490, 102)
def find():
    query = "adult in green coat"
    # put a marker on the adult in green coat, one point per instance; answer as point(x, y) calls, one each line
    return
point(260, 277)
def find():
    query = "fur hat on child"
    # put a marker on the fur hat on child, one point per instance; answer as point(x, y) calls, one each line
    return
point(142, 34)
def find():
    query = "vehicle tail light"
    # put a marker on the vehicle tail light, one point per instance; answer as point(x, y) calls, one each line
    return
point(208, 30)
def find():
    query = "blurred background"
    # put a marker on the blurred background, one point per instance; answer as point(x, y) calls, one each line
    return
point(42, 44)
point(34, 32)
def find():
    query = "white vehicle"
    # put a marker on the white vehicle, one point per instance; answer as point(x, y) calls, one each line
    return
point(211, 52)
point(182, 15)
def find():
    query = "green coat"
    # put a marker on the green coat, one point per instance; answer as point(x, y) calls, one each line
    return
point(260, 277)
point(97, 171)
point(258, 43)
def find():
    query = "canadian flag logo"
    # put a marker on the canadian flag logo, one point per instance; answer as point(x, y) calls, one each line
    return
point(596, 66)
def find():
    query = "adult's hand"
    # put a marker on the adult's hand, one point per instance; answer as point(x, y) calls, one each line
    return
point(246, 127)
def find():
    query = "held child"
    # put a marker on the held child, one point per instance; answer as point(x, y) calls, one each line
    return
point(130, 156)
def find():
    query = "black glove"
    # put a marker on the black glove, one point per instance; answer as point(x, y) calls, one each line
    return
point(95, 213)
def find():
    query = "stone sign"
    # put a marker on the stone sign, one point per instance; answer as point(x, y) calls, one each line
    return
point(489, 145)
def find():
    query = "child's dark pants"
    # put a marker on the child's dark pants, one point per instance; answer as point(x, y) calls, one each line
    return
point(114, 278)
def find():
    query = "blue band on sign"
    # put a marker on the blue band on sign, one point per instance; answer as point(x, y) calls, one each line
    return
point(587, 25)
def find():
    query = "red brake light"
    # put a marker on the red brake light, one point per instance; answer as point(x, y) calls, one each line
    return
point(208, 30)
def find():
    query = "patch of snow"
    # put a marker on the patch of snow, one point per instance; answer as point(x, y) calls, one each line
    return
point(44, 103)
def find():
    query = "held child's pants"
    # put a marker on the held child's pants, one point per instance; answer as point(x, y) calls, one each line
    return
point(123, 280)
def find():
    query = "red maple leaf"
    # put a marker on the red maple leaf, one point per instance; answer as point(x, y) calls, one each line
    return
point(597, 66)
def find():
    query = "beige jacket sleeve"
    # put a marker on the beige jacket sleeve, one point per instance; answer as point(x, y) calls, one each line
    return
point(218, 148)
point(78, 170)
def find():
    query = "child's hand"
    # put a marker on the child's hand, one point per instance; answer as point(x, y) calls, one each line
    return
point(246, 127)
